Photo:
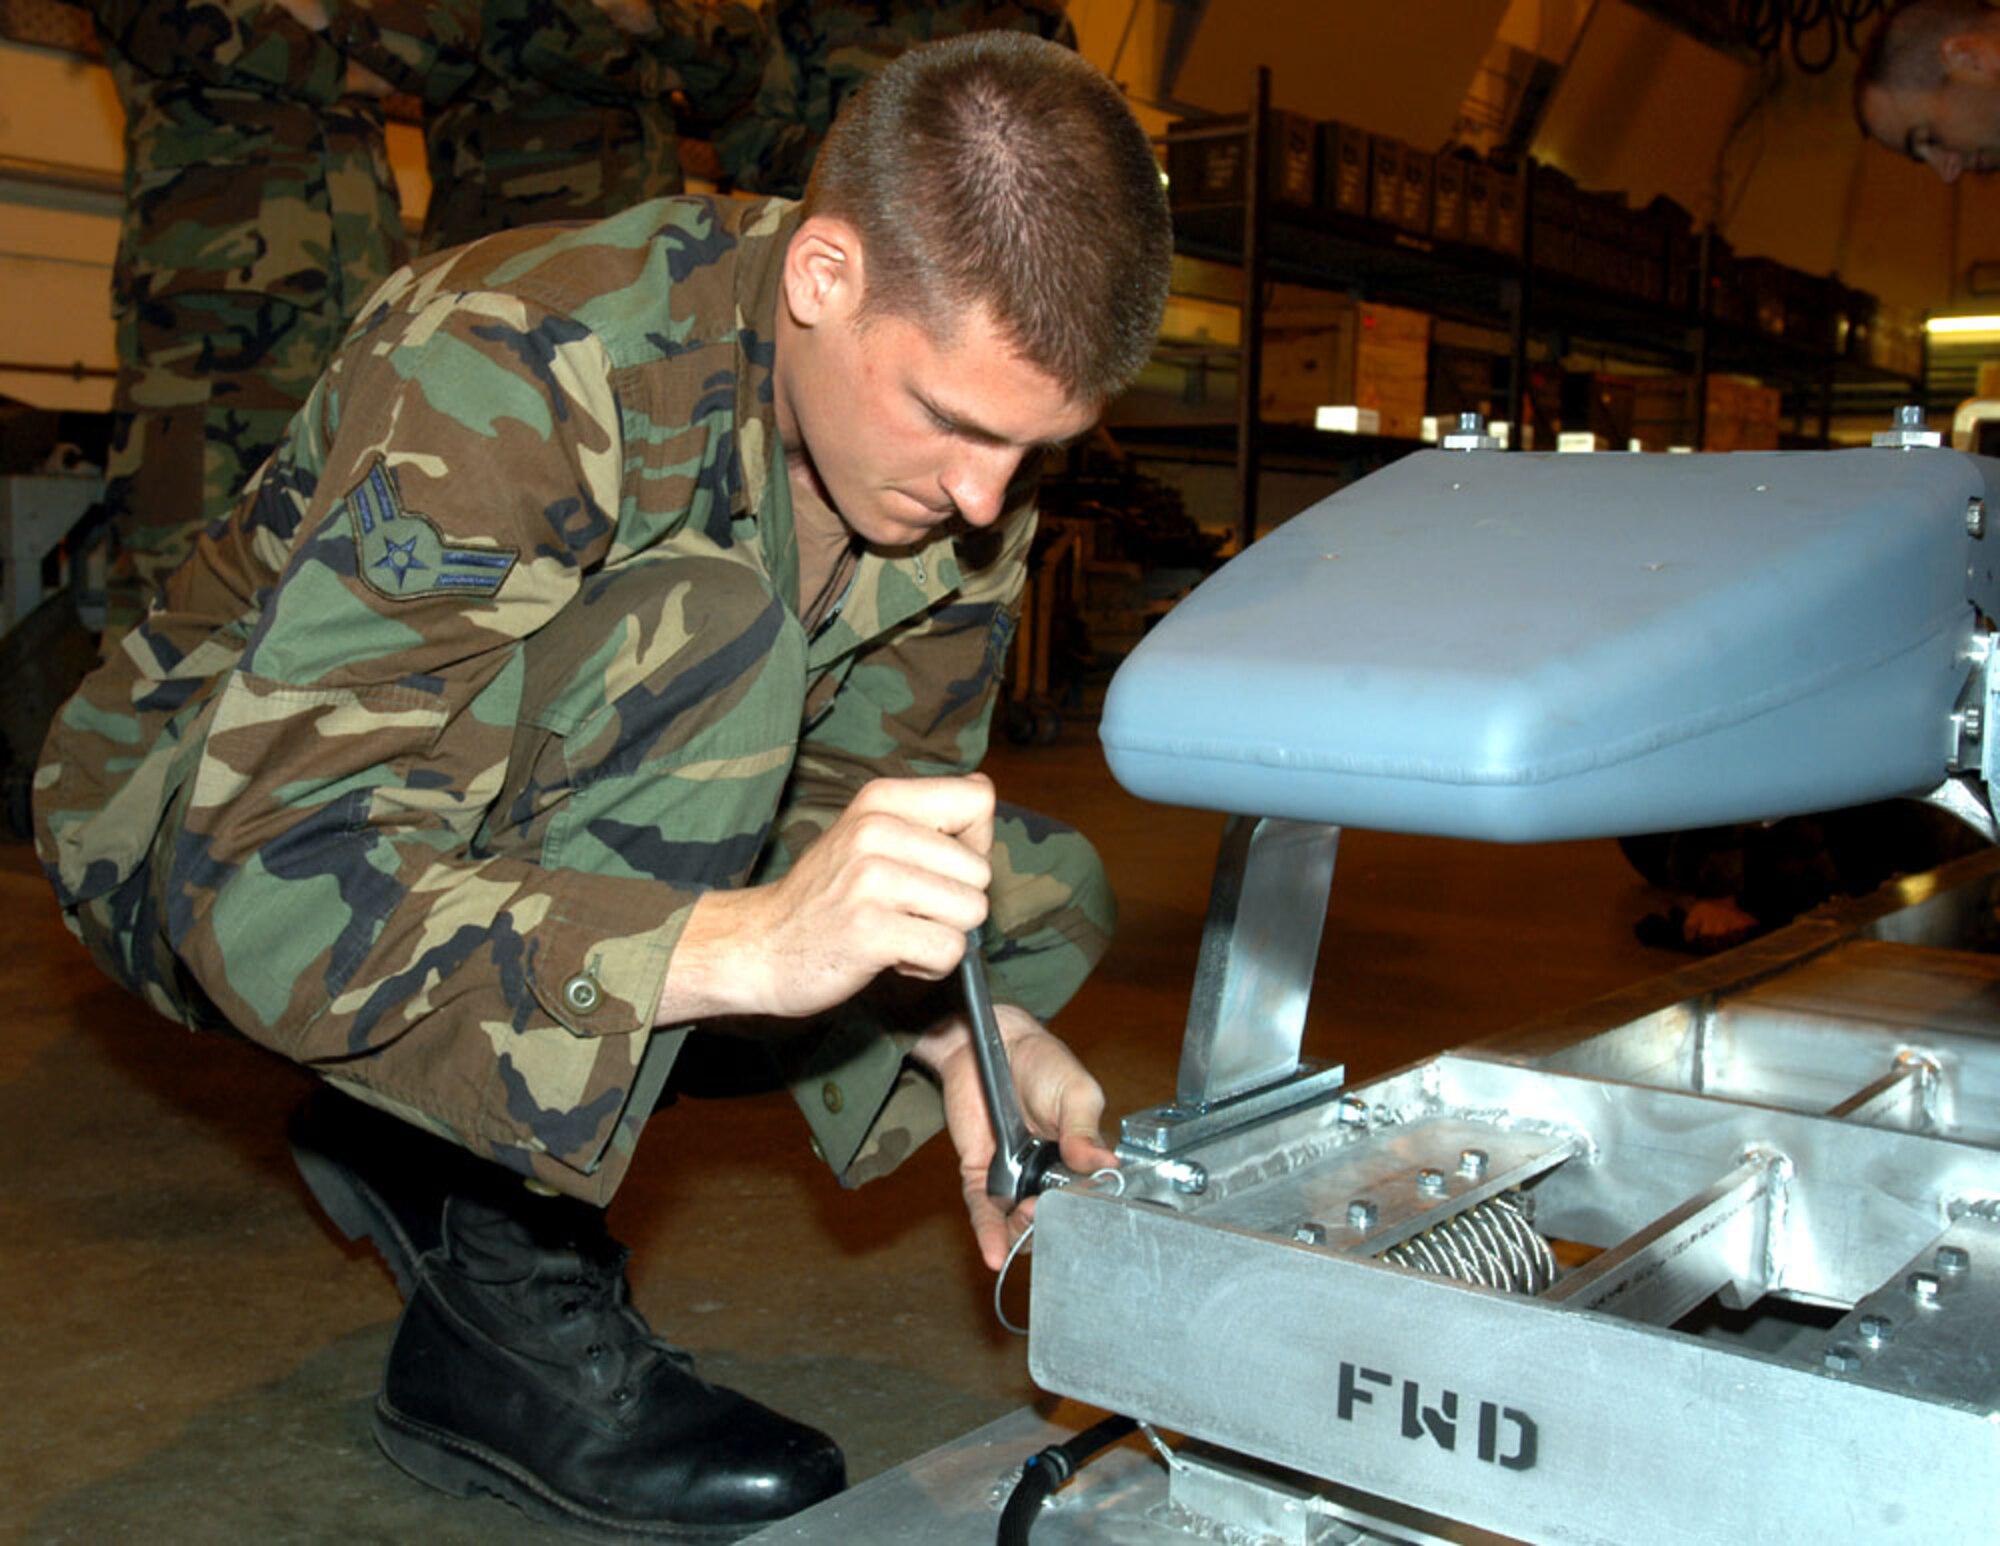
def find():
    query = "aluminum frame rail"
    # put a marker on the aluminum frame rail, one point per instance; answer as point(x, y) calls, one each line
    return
point(1772, 1184)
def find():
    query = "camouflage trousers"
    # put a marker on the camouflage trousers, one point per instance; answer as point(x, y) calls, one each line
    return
point(658, 724)
point(206, 385)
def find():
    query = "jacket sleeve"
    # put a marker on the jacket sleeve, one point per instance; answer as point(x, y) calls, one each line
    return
point(243, 45)
point(716, 54)
point(329, 886)
point(429, 51)
point(918, 703)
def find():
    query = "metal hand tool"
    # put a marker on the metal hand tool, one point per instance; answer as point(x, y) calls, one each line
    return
point(1022, 1163)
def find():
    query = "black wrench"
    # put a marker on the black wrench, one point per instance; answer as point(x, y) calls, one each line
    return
point(1023, 1164)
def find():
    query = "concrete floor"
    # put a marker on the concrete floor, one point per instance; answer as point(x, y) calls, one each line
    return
point(190, 1355)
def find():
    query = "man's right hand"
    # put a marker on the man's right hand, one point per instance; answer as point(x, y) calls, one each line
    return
point(892, 885)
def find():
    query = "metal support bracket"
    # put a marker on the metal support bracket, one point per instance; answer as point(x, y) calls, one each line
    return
point(1240, 1056)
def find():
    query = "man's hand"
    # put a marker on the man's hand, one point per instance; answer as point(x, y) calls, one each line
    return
point(892, 885)
point(1058, 1098)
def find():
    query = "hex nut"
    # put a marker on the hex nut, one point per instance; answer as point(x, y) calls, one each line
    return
point(1430, 1182)
point(1875, 1329)
point(1842, 1358)
point(1953, 1259)
point(1472, 1164)
point(1975, 516)
point(1310, 1233)
point(1924, 1287)
point(1362, 1214)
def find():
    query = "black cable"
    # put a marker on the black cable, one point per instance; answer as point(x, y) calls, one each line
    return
point(1048, 1470)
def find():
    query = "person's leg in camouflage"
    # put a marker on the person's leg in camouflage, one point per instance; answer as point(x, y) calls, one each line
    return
point(655, 732)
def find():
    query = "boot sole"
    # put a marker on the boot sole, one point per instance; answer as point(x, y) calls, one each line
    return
point(465, 1470)
point(358, 1214)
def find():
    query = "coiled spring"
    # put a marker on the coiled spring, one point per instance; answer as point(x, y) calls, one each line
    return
point(1494, 1244)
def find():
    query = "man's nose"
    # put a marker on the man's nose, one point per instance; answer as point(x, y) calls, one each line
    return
point(978, 482)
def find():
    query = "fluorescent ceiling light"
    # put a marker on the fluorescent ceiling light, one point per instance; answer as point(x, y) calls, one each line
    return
point(1986, 324)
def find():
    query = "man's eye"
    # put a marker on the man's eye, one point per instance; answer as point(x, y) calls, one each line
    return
point(939, 421)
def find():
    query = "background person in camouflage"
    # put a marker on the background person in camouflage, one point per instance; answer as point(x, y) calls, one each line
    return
point(823, 51)
point(540, 110)
point(259, 213)
point(608, 649)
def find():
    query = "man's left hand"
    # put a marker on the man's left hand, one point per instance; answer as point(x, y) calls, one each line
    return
point(1059, 1100)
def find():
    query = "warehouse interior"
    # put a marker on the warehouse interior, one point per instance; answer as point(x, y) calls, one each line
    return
point(1604, 227)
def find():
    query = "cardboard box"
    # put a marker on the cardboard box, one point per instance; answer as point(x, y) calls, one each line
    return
point(1477, 215)
point(1507, 208)
point(1305, 369)
point(1205, 160)
point(1324, 350)
point(1742, 415)
point(1448, 199)
point(1343, 168)
point(1392, 366)
point(1385, 179)
point(1413, 212)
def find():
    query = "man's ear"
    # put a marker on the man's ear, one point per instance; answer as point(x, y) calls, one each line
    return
point(823, 271)
point(1971, 59)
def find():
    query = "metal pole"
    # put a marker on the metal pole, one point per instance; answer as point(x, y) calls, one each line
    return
point(1250, 363)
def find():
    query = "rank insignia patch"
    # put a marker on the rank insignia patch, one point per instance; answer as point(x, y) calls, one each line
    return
point(402, 555)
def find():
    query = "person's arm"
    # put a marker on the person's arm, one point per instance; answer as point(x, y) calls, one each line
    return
point(596, 50)
point(767, 145)
point(716, 53)
point(916, 704)
point(428, 50)
point(264, 46)
point(333, 895)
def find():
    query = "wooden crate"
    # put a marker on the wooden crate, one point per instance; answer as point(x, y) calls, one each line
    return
point(1742, 416)
point(1392, 366)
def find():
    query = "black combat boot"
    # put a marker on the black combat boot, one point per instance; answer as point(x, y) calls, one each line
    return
point(383, 1180)
point(521, 1369)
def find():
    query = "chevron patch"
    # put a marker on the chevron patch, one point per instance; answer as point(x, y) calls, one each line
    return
point(401, 555)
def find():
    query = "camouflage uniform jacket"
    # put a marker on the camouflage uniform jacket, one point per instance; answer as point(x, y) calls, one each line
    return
point(542, 110)
point(823, 51)
point(246, 169)
point(303, 745)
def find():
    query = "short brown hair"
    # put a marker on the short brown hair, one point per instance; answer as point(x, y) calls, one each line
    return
point(997, 169)
point(1906, 52)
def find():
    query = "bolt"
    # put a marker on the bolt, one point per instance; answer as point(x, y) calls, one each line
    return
point(1910, 416)
point(1310, 1233)
point(1472, 1163)
point(1924, 1288)
point(1953, 1259)
point(1875, 1329)
point(1471, 424)
point(1975, 516)
point(1362, 1214)
point(1842, 1358)
point(1430, 1182)
point(1354, 1112)
point(1975, 723)
point(1186, 1177)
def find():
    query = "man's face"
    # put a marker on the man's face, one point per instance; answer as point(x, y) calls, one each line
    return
point(903, 431)
point(1954, 129)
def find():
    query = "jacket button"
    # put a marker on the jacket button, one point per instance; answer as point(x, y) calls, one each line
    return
point(582, 993)
point(829, 1093)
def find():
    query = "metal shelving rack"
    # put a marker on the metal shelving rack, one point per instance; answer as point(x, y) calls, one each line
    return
point(1504, 292)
